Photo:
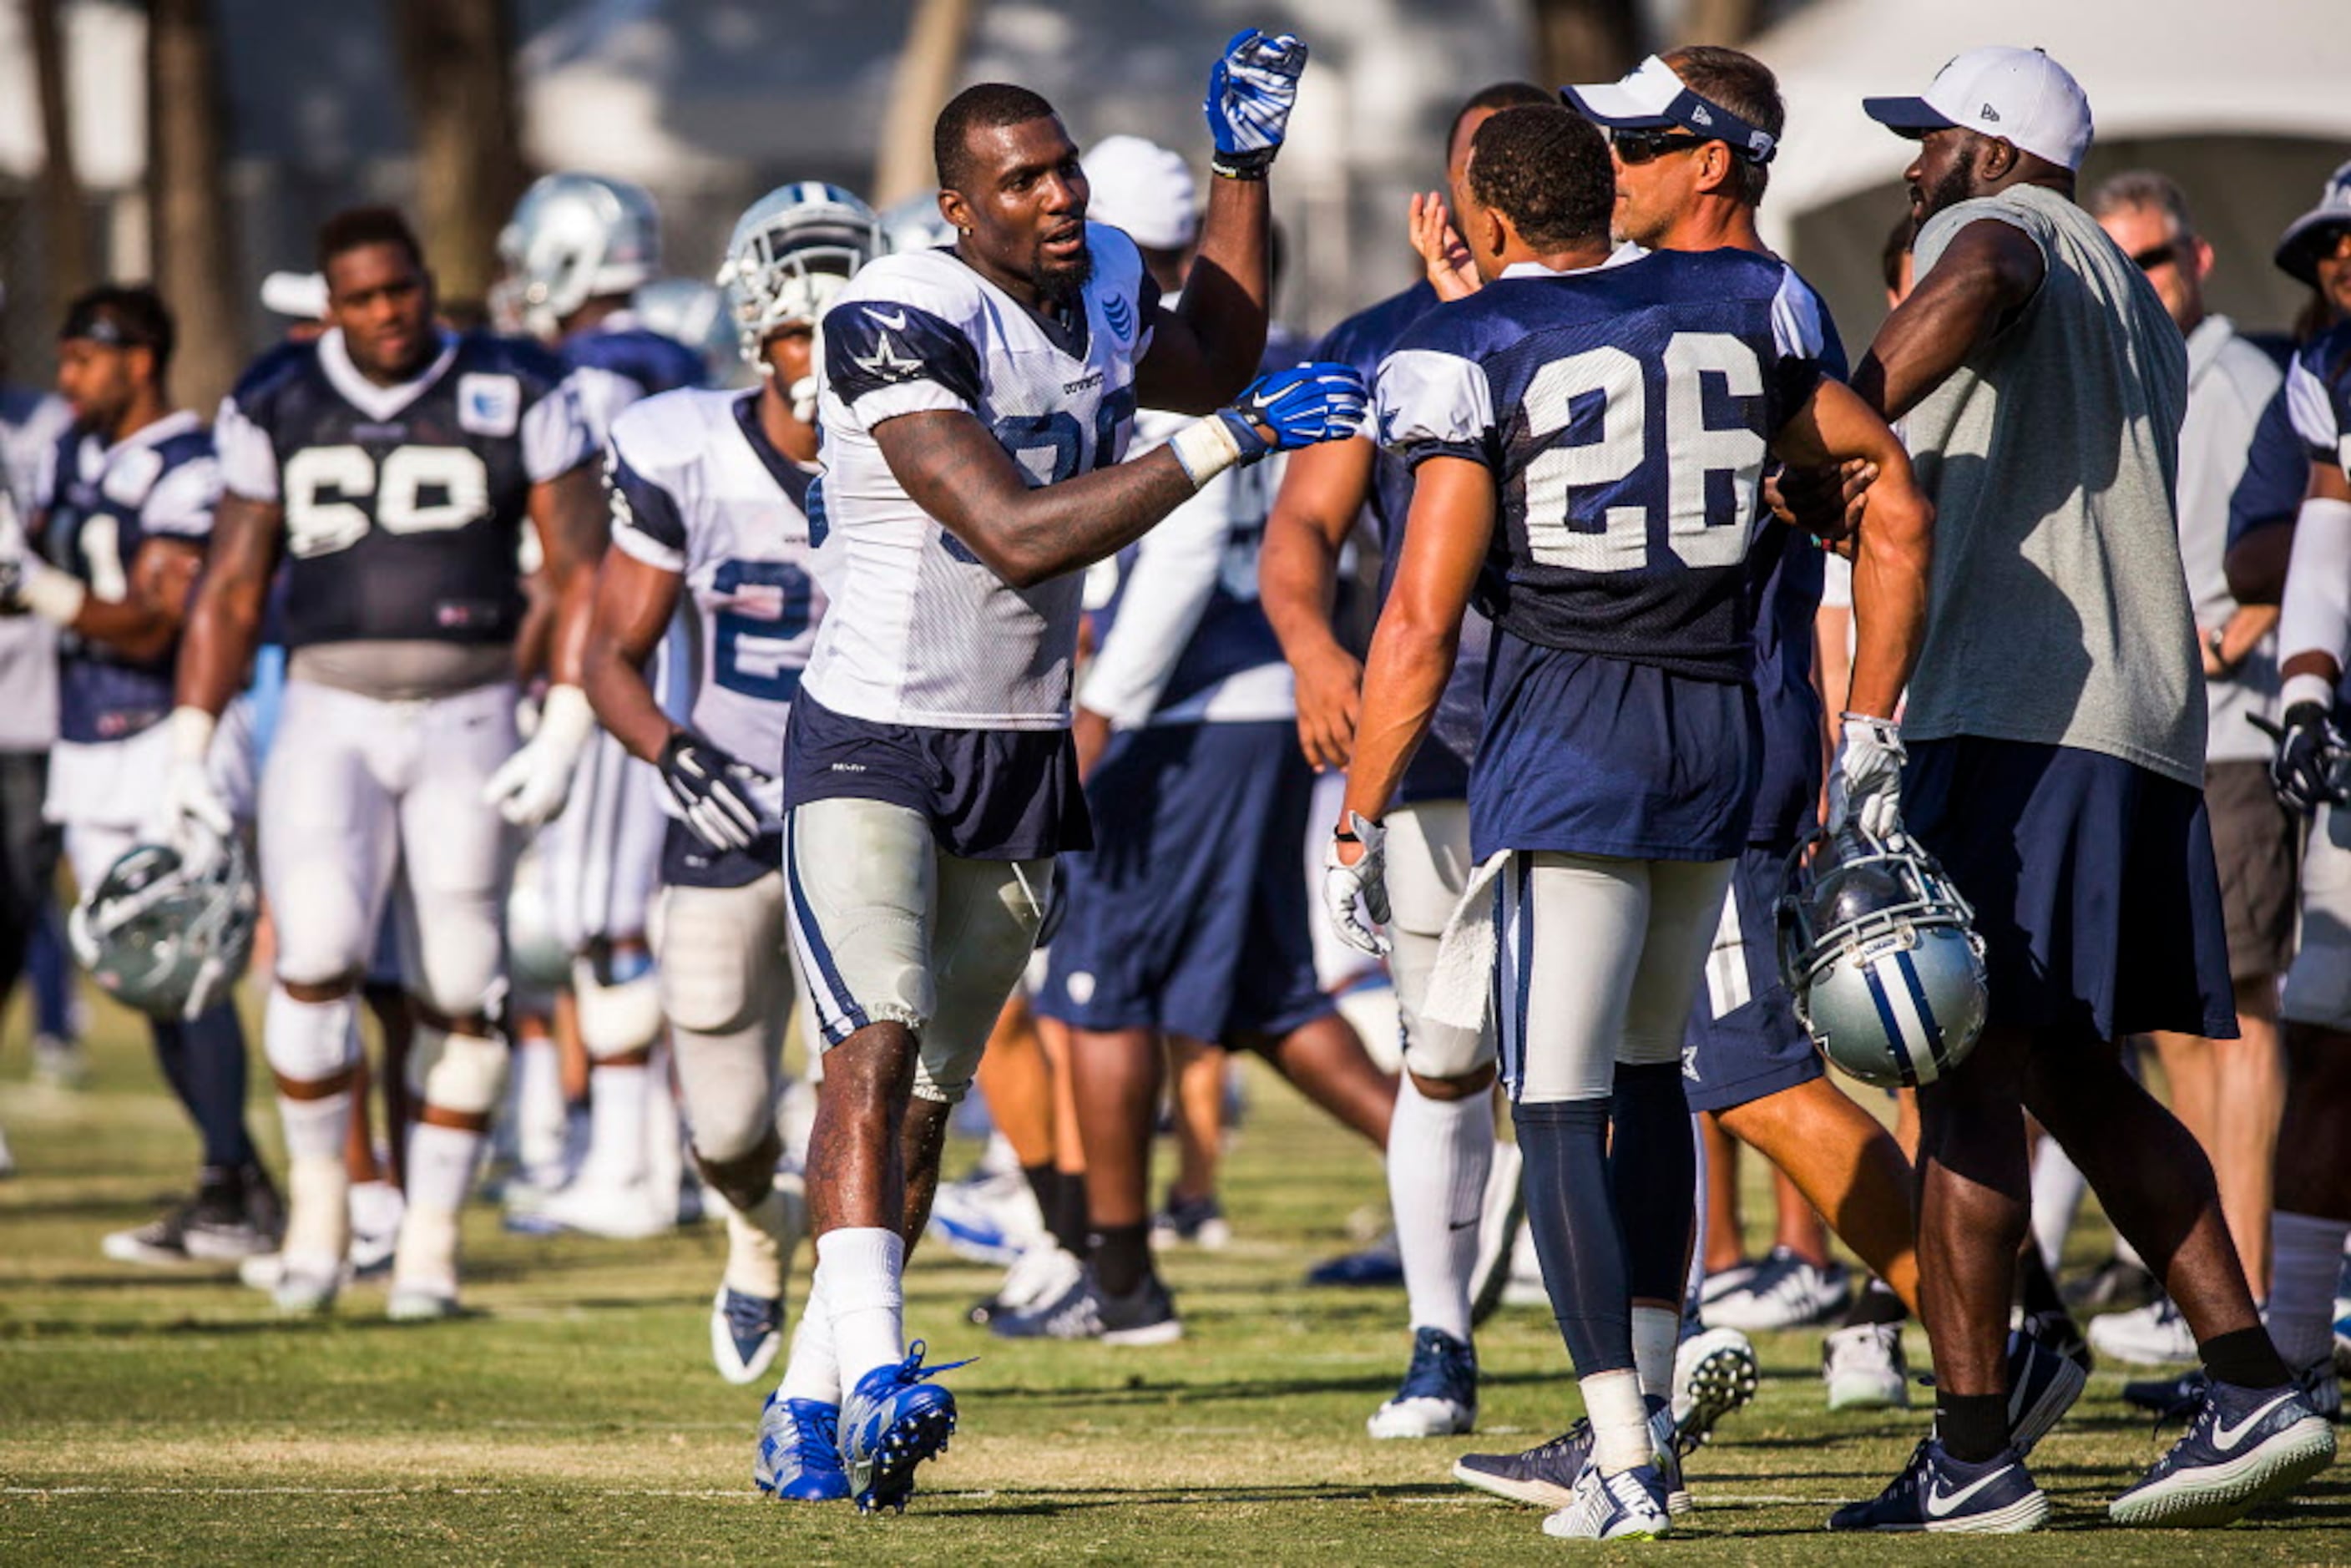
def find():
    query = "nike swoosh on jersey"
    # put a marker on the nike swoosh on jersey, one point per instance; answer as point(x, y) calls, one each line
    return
point(2226, 1436)
point(1941, 1503)
point(895, 321)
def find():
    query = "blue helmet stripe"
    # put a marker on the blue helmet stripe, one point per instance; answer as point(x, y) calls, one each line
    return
point(1925, 1014)
point(1893, 1040)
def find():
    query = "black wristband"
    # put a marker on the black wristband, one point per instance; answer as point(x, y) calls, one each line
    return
point(1251, 165)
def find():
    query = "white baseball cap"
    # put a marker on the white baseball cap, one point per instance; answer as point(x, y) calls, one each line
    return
point(1145, 189)
point(2020, 96)
point(301, 295)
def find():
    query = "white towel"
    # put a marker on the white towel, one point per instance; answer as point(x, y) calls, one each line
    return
point(1462, 982)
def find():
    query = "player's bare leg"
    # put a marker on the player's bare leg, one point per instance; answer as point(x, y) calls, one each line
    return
point(2314, 1197)
point(1325, 1061)
point(1193, 1213)
point(1115, 1079)
point(1844, 1164)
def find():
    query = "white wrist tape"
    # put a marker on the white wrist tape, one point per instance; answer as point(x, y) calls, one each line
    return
point(55, 596)
point(2306, 688)
point(1205, 448)
point(191, 734)
point(565, 719)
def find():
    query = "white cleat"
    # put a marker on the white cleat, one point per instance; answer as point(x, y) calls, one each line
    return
point(420, 1304)
point(1715, 1373)
point(1627, 1506)
point(2152, 1336)
point(615, 1211)
point(1864, 1368)
point(305, 1290)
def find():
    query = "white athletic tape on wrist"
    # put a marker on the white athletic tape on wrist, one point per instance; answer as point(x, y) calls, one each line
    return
point(462, 1072)
point(2306, 688)
point(55, 596)
point(616, 1021)
point(191, 734)
point(1205, 448)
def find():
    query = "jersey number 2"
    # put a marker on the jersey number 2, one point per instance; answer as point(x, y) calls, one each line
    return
point(1695, 453)
point(417, 489)
point(753, 648)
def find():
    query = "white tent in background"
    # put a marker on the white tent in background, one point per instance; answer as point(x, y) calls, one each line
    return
point(2248, 104)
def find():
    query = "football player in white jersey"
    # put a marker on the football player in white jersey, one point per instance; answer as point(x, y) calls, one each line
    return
point(975, 404)
point(392, 467)
point(709, 491)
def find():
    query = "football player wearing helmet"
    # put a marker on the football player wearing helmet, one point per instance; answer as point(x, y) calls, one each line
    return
point(975, 403)
point(124, 506)
point(1615, 778)
point(390, 467)
point(1441, 1143)
point(2312, 773)
point(710, 497)
point(575, 252)
point(2042, 386)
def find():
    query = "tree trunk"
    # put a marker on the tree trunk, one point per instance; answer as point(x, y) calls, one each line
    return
point(457, 57)
point(65, 211)
point(924, 82)
point(190, 217)
point(1585, 40)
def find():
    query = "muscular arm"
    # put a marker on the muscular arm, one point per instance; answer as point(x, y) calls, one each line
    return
point(1207, 348)
point(142, 623)
point(633, 601)
point(959, 474)
point(2256, 563)
point(224, 623)
point(1894, 547)
point(1419, 634)
point(1320, 496)
point(1989, 271)
point(573, 529)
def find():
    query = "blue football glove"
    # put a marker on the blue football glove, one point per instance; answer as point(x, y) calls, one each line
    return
point(1302, 405)
point(1250, 93)
point(2313, 758)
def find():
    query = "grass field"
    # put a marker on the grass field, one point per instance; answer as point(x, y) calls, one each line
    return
point(153, 1416)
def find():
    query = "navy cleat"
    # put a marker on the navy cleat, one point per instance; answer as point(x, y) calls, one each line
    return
point(1546, 1474)
point(1937, 1492)
point(800, 1451)
point(2179, 1397)
point(746, 1333)
point(2043, 1381)
point(1145, 1315)
point(1627, 1506)
point(1439, 1396)
point(1378, 1264)
point(2246, 1446)
point(892, 1421)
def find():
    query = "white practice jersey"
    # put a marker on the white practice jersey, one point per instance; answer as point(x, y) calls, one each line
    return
point(697, 489)
point(927, 634)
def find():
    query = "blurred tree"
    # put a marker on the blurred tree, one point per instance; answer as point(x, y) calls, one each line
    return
point(65, 215)
point(1586, 40)
point(926, 79)
point(1731, 22)
point(457, 57)
point(190, 219)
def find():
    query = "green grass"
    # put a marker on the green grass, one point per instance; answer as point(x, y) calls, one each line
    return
point(153, 1416)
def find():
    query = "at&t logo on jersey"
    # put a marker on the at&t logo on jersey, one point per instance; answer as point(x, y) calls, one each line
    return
point(1121, 318)
point(489, 405)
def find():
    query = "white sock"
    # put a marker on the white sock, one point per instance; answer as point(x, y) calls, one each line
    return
point(755, 1254)
point(1620, 1421)
point(1439, 1151)
point(440, 1172)
point(857, 1273)
point(2058, 1185)
point(317, 1213)
point(1657, 1334)
point(2305, 1259)
point(617, 1096)
point(541, 1119)
point(317, 1129)
point(813, 1370)
point(664, 1136)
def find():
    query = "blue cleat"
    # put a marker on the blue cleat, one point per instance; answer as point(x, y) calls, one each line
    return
point(892, 1421)
point(1937, 1492)
point(746, 1333)
point(1378, 1264)
point(2246, 1446)
point(800, 1451)
point(1439, 1396)
point(1547, 1474)
point(2043, 1382)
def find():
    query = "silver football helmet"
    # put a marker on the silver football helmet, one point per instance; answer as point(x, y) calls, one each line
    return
point(791, 254)
point(693, 313)
point(166, 937)
point(573, 238)
point(1882, 955)
point(916, 223)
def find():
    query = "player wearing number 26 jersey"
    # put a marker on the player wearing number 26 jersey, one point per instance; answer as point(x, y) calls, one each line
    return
point(392, 466)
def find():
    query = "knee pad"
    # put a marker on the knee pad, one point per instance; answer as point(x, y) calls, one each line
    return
point(461, 1072)
point(620, 1005)
point(711, 941)
point(308, 1042)
point(729, 1084)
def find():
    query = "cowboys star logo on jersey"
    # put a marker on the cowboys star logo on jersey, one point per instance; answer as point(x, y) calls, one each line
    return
point(888, 363)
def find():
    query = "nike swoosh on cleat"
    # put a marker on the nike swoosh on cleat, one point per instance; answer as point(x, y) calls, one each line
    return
point(2226, 1436)
point(895, 321)
point(1461, 1224)
point(1939, 1504)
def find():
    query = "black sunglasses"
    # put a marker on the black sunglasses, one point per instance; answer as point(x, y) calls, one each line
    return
point(1643, 144)
point(2148, 260)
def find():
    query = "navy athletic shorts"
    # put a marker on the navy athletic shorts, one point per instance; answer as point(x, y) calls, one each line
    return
point(1744, 1041)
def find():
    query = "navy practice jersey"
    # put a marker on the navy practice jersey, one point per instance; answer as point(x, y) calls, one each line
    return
point(99, 505)
point(616, 362)
point(403, 505)
point(1440, 768)
point(2318, 397)
point(1624, 412)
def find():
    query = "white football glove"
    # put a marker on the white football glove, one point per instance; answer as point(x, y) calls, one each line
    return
point(1366, 880)
point(192, 817)
point(1866, 779)
point(530, 788)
